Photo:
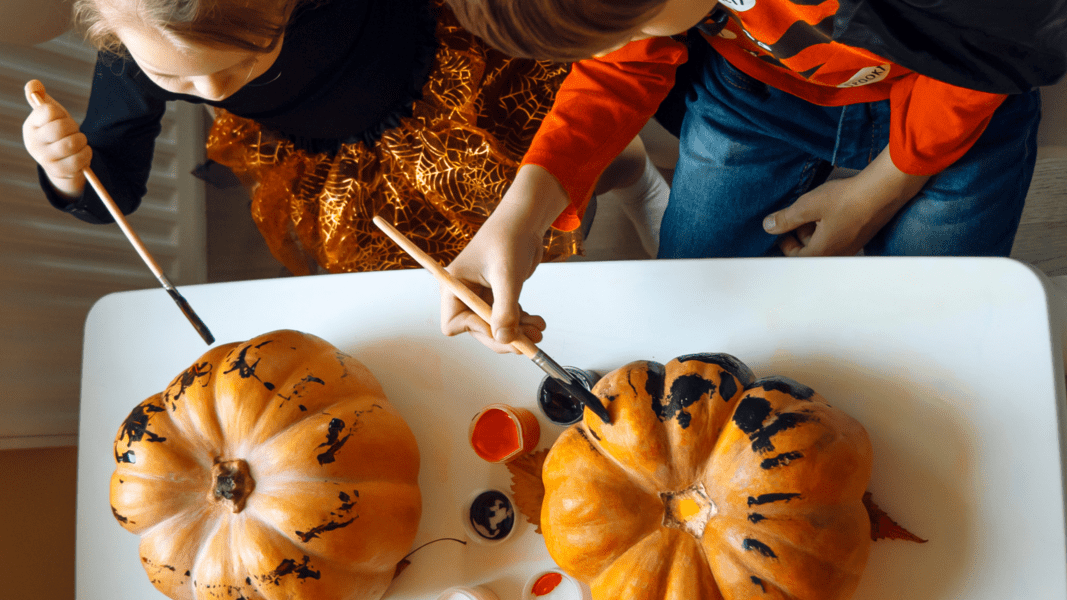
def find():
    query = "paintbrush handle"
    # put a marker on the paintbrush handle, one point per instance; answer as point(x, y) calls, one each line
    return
point(464, 293)
point(138, 245)
point(116, 214)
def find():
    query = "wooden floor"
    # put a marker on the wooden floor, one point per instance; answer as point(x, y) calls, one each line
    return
point(236, 251)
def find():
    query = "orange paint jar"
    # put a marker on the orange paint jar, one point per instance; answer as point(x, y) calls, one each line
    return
point(499, 433)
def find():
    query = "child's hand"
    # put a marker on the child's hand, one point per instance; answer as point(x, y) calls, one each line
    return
point(840, 216)
point(53, 140)
point(500, 257)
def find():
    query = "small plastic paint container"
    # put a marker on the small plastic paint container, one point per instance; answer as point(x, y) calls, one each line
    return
point(489, 517)
point(476, 592)
point(557, 405)
point(554, 585)
point(499, 433)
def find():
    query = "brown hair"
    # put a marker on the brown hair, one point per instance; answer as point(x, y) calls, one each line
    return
point(559, 30)
point(255, 25)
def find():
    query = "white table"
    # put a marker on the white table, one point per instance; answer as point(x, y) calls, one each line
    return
point(955, 366)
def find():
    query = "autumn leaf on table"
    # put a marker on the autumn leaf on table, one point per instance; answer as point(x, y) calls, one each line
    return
point(526, 486)
point(884, 528)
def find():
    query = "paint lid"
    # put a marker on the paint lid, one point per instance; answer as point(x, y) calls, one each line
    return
point(554, 584)
point(490, 517)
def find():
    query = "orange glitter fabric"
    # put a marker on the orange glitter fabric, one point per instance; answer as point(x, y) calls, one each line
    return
point(436, 177)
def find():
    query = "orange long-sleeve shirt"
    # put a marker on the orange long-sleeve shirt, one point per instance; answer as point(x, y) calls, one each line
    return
point(605, 102)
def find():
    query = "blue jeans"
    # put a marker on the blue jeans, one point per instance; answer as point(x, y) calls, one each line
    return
point(748, 149)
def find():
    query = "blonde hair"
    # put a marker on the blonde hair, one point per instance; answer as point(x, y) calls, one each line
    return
point(558, 30)
point(255, 25)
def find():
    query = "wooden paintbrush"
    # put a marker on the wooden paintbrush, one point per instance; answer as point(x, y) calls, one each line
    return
point(138, 245)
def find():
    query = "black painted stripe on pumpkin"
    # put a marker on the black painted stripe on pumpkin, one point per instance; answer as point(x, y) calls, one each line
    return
point(751, 544)
point(289, 566)
point(656, 375)
point(761, 440)
point(118, 517)
point(245, 370)
point(307, 536)
point(780, 460)
point(785, 385)
point(729, 362)
point(686, 390)
point(186, 380)
point(750, 414)
point(768, 498)
point(759, 582)
point(333, 441)
point(755, 517)
point(728, 387)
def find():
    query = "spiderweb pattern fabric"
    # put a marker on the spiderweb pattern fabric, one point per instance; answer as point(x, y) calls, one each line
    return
point(436, 177)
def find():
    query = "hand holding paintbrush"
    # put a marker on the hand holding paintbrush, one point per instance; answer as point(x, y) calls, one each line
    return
point(53, 140)
point(483, 310)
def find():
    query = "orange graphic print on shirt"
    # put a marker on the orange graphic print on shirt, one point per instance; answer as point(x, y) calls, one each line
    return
point(790, 42)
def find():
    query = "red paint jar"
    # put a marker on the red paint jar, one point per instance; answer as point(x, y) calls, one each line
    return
point(499, 433)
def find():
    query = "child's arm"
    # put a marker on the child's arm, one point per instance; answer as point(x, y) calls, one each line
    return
point(599, 109)
point(840, 216)
point(932, 125)
point(120, 128)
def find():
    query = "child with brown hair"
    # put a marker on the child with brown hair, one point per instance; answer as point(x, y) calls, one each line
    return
point(773, 104)
point(331, 111)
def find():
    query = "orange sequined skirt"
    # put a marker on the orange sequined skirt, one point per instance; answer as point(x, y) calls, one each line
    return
point(436, 177)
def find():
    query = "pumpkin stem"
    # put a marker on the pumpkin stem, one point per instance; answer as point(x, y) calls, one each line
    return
point(232, 483)
point(688, 510)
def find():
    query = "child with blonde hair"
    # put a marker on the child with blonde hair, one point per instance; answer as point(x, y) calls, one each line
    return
point(330, 111)
point(773, 104)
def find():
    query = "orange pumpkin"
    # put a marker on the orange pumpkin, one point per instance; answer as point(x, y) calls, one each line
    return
point(709, 484)
point(271, 469)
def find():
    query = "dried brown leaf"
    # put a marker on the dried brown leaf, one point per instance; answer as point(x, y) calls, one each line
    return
point(526, 486)
point(884, 528)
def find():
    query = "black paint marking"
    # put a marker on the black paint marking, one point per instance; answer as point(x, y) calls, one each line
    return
point(785, 385)
point(686, 390)
point(186, 380)
point(728, 362)
point(750, 414)
point(781, 460)
point(751, 544)
point(761, 440)
point(303, 408)
point(595, 435)
point(768, 498)
point(306, 536)
point(120, 518)
point(300, 388)
point(755, 517)
point(135, 429)
point(728, 387)
point(289, 566)
point(334, 441)
point(245, 370)
point(759, 582)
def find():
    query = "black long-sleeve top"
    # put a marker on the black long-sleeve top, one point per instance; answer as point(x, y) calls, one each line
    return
point(348, 70)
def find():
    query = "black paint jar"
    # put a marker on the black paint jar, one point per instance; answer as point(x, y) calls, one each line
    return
point(559, 406)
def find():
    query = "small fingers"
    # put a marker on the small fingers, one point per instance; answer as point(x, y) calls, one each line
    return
point(789, 244)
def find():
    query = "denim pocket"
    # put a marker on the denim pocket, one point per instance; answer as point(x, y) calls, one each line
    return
point(736, 78)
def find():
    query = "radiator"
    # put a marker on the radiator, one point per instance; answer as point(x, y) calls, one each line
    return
point(54, 267)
